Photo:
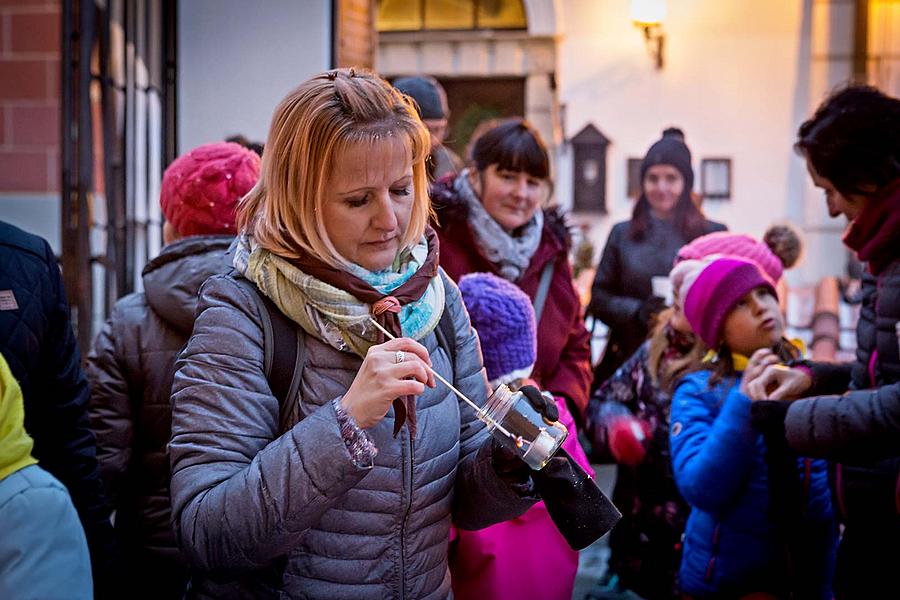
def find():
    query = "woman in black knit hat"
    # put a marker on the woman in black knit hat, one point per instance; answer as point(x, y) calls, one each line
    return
point(664, 219)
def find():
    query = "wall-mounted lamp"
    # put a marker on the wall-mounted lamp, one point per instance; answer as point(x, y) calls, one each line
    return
point(648, 15)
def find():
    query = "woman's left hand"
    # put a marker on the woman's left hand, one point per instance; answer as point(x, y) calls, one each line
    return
point(540, 402)
point(759, 361)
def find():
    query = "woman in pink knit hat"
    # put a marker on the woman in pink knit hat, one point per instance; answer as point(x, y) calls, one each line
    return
point(629, 423)
point(131, 365)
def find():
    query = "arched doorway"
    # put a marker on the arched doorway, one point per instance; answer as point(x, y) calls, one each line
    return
point(495, 58)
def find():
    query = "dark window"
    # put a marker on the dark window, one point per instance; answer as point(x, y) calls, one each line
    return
point(475, 100)
point(634, 177)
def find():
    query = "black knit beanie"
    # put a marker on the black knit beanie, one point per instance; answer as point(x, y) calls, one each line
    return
point(670, 151)
point(428, 94)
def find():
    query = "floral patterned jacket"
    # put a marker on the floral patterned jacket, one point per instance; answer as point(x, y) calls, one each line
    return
point(646, 545)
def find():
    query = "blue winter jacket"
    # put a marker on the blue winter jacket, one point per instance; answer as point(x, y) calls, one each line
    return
point(732, 543)
point(43, 552)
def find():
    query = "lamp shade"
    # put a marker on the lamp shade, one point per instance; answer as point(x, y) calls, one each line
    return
point(648, 12)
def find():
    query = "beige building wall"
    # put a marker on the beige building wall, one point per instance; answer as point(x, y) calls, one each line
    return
point(739, 78)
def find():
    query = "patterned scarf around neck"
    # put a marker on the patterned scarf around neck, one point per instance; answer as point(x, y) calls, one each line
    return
point(511, 254)
point(335, 304)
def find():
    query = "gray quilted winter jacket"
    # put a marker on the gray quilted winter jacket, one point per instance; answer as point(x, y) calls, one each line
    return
point(260, 516)
point(130, 369)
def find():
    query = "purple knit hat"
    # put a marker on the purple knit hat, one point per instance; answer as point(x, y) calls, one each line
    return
point(504, 318)
point(711, 288)
point(733, 244)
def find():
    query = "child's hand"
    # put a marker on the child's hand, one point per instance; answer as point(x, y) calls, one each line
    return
point(778, 383)
point(759, 361)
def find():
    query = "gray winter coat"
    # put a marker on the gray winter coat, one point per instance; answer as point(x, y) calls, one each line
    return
point(260, 516)
point(131, 367)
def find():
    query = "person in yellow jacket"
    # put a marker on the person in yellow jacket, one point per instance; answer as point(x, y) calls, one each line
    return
point(43, 551)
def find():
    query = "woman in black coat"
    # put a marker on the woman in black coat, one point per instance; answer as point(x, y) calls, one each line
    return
point(664, 219)
point(852, 150)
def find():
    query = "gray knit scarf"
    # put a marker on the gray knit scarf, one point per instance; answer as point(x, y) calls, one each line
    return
point(511, 254)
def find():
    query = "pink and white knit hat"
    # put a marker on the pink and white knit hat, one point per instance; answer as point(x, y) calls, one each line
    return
point(733, 244)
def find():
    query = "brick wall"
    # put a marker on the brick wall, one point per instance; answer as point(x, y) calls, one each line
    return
point(29, 96)
point(355, 38)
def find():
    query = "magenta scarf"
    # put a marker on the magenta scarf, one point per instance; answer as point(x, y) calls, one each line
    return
point(875, 233)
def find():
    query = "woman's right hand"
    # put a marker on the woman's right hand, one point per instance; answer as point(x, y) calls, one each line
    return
point(396, 368)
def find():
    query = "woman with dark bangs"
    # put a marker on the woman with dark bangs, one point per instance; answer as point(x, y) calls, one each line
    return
point(664, 219)
point(491, 218)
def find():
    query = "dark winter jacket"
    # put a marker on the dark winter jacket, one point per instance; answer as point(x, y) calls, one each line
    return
point(131, 368)
point(732, 544)
point(622, 285)
point(861, 428)
point(266, 516)
point(37, 340)
point(563, 357)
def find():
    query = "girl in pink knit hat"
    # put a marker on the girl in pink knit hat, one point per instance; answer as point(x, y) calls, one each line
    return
point(628, 423)
point(761, 520)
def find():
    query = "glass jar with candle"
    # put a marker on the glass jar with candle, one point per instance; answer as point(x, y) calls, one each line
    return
point(516, 424)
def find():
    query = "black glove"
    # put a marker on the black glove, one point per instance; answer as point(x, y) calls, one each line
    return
point(544, 404)
point(767, 417)
point(651, 307)
point(580, 510)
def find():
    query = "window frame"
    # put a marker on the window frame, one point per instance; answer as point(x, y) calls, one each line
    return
point(712, 161)
point(476, 27)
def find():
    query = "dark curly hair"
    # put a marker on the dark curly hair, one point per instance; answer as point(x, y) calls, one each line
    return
point(853, 139)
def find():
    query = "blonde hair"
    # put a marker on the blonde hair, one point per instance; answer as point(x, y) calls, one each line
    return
point(665, 373)
point(311, 127)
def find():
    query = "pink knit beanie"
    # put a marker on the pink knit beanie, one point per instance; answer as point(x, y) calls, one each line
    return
point(201, 189)
point(733, 244)
point(710, 288)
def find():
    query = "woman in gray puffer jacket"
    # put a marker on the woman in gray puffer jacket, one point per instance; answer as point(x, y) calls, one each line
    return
point(355, 499)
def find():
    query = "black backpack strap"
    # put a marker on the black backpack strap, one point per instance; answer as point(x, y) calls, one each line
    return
point(287, 358)
point(284, 355)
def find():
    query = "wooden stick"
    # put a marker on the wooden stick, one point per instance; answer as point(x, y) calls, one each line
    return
point(478, 410)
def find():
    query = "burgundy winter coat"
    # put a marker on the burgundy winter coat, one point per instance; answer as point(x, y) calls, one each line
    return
point(563, 364)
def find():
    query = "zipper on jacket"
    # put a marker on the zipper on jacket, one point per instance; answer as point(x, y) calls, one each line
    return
point(807, 480)
point(839, 489)
point(711, 565)
point(897, 493)
point(873, 361)
point(409, 493)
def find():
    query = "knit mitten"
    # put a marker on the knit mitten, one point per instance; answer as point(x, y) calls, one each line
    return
point(627, 439)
